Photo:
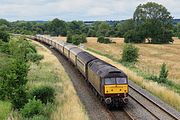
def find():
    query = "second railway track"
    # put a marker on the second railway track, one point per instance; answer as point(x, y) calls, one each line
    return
point(156, 110)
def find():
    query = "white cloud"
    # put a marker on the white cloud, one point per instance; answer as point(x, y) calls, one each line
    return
point(77, 9)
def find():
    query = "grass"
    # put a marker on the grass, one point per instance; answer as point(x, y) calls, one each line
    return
point(51, 72)
point(5, 109)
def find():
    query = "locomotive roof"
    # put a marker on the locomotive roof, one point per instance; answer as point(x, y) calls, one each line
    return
point(69, 46)
point(76, 50)
point(104, 69)
point(85, 57)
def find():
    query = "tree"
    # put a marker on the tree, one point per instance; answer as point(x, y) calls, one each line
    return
point(122, 28)
point(177, 27)
point(77, 39)
point(91, 33)
point(102, 29)
point(130, 53)
point(104, 40)
point(58, 27)
point(4, 22)
point(75, 27)
point(155, 20)
point(133, 36)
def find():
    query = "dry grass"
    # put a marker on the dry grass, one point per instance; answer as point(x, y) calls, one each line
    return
point(151, 57)
point(69, 105)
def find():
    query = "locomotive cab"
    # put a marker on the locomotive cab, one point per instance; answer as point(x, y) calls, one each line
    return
point(110, 83)
point(115, 89)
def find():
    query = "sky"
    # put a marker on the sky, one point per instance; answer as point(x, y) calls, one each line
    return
point(85, 10)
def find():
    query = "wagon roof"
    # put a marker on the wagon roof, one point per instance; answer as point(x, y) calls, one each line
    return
point(104, 69)
point(76, 50)
point(61, 43)
point(69, 46)
point(85, 57)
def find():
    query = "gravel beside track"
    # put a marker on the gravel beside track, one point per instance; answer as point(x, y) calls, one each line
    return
point(121, 115)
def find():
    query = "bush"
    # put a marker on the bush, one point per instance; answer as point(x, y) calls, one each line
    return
point(163, 74)
point(130, 53)
point(4, 47)
point(19, 98)
point(104, 40)
point(34, 57)
point(44, 93)
point(32, 108)
point(77, 39)
point(69, 37)
point(4, 36)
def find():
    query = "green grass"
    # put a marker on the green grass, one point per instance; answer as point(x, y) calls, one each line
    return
point(5, 108)
point(106, 55)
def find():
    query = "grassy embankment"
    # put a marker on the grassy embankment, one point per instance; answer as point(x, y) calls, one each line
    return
point(51, 72)
point(151, 58)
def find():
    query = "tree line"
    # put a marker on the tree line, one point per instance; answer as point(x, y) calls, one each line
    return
point(150, 23)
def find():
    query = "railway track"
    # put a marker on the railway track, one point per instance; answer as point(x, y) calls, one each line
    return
point(121, 115)
point(157, 111)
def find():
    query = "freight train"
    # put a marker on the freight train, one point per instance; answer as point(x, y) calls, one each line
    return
point(109, 83)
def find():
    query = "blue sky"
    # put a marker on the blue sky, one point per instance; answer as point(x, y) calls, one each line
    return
point(69, 10)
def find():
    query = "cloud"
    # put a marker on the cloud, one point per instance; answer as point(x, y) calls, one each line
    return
point(77, 9)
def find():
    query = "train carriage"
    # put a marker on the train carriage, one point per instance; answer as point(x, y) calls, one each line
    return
point(53, 43)
point(61, 47)
point(73, 55)
point(83, 58)
point(67, 49)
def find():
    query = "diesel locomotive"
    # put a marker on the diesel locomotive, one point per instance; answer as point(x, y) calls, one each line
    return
point(108, 82)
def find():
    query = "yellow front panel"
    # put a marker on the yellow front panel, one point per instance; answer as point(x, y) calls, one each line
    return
point(114, 89)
